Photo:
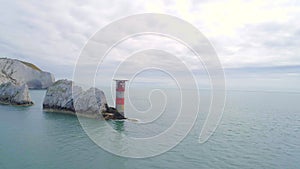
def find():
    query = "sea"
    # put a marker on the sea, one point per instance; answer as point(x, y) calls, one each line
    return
point(258, 129)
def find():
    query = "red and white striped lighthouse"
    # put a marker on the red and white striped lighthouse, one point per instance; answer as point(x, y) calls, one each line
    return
point(120, 89)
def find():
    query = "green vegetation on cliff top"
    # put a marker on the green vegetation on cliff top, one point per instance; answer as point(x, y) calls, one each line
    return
point(25, 63)
point(31, 65)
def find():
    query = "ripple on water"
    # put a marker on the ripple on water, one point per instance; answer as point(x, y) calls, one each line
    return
point(257, 131)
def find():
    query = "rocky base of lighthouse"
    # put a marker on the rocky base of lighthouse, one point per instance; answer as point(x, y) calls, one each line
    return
point(112, 114)
point(65, 97)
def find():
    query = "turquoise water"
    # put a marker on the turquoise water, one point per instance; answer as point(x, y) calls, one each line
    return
point(258, 130)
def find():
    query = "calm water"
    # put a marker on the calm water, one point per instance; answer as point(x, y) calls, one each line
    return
point(258, 130)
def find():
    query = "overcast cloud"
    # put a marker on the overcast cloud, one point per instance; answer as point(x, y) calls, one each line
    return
point(253, 39)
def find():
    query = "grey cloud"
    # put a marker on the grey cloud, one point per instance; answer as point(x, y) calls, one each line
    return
point(54, 33)
point(51, 35)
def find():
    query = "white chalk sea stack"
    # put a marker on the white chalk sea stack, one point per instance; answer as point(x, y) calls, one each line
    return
point(90, 103)
point(19, 72)
point(15, 94)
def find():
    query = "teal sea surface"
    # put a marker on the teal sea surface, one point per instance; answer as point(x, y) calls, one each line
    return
point(258, 130)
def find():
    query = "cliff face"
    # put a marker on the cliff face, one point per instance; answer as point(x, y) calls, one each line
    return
point(14, 94)
point(19, 72)
point(90, 103)
point(3, 78)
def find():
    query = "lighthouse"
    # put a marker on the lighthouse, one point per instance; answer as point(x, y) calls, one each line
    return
point(120, 89)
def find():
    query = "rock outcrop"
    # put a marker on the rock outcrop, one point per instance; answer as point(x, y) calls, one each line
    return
point(90, 103)
point(14, 94)
point(19, 72)
point(111, 113)
point(59, 96)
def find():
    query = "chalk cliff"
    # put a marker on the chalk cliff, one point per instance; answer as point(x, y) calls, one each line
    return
point(14, 94)
point(88, 103)
point(19, 72)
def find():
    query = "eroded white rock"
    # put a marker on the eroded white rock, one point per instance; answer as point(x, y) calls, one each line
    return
point(15, 94)
point(19, 72)
point(59, 98)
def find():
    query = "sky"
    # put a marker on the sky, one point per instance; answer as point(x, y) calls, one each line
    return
point(257, 42)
